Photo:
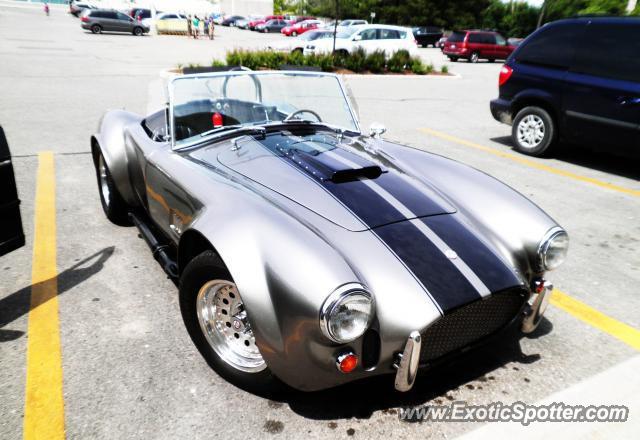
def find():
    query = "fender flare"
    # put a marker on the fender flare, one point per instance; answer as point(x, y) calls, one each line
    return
point(110, 141)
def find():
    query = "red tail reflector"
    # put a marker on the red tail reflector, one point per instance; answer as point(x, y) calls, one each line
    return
point(216, 118)
point(347, 362)
point(505, 74)
point(85, 19)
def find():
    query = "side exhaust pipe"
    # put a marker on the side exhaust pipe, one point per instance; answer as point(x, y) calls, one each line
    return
point(158, 249)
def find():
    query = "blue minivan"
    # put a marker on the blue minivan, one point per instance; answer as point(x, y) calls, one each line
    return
point(575, 80)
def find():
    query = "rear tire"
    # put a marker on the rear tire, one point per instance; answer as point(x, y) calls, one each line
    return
point(453, 59)
point(534, 131)
point(113, 205)
point(96, 29)
point(474, 57)
point(207, 269)
point(491, 60)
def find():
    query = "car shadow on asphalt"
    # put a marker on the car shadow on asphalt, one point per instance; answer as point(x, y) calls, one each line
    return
point(17, 304)
point(604, 161)
point(438, 385)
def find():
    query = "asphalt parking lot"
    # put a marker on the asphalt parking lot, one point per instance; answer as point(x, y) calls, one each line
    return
point(129, 367)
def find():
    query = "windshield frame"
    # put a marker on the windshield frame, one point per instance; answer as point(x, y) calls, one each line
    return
point(256, 79)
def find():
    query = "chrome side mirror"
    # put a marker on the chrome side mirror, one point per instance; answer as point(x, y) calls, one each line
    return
point(376, 130)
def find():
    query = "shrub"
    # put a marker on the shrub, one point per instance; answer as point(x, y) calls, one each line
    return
point(218, 63)
point(418, 67)
point(356, 60)
point(444, 68)
point(399, 61)
point(296, 58)
point(376, 61)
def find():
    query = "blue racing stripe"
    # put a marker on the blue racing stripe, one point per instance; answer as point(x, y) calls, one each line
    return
point(435, 271)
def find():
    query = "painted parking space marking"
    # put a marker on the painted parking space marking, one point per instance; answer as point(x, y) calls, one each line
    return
point(44, 404)
point(531, 163)
point(594, 318)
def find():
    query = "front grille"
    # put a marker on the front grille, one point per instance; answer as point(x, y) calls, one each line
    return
point(470, 324)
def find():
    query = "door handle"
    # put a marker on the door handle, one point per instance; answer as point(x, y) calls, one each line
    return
point(629, 100)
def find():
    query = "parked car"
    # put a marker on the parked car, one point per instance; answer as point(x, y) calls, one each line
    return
point(231, 20)
point(11, 233)
point(301, 27)
point(476, 45)
point(170, 23)
point(352, 22)
point(254, 23)
point(219, 19)
point(298, 44)
point(108, 20)
point(275, 25)
point(370, 37)
point(515, 42)
point(307, 251)
point(427, 35)
point(76, 7)
point(440, 43)
point(143, 14)
point(576, 80)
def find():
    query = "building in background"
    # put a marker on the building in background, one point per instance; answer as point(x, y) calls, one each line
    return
point(246, 7)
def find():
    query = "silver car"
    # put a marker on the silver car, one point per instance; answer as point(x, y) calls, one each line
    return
point(309, 253)
point(107, 20)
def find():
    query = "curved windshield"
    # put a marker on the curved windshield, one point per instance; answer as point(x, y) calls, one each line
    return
point(203, 105)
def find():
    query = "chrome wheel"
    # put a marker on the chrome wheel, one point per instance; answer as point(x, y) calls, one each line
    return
point(223, 320)
point(531, 130)
point(103, 176)
point(474, 57)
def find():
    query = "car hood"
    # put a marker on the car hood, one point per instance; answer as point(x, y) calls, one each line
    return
point(330, 175)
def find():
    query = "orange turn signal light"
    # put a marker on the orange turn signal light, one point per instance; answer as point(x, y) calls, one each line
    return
point(347, 362)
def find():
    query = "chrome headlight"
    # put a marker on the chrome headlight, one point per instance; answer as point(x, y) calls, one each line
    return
point(553, 248)
point(346, 313)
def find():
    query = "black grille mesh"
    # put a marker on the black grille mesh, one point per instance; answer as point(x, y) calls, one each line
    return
point(470, 323)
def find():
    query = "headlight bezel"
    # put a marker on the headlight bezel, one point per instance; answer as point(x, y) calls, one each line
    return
point(336, 298)
point(546, 242)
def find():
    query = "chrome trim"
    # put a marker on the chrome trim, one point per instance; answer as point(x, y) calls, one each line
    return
point(408, 363)
point(333, 299)
point(254, 74)
point(533, 316)
point(543, 247)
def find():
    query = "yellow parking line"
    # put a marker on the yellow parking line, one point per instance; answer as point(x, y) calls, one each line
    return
point(44, 404)
point(594, 318)
point(530, 163)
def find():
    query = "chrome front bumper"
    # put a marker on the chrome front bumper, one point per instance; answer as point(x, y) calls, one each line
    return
point(538, 305)
point(408, 362)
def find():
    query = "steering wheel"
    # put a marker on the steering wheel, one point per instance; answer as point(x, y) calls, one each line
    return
point(303, 110)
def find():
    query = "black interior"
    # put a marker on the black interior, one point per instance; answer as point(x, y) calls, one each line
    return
point(195, 117)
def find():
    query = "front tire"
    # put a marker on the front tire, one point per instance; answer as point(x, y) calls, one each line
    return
point(453, 59)
point(137, 31)
point(113, 205)
point(474, 57)
point(218, 323)
point(534, 131)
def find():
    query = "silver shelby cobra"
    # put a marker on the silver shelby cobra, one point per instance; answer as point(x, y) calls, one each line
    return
point(308, 252)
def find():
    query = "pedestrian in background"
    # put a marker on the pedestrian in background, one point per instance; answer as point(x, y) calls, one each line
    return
point(196, 26)
point(46, 8)
point(210, 28)
point(189, 26)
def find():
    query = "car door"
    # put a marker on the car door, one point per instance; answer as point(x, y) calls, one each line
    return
point(602, 87)
point(390, 41)
point(11, 235)
point(367, 39)
point(124, 22)
point(501, 49)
